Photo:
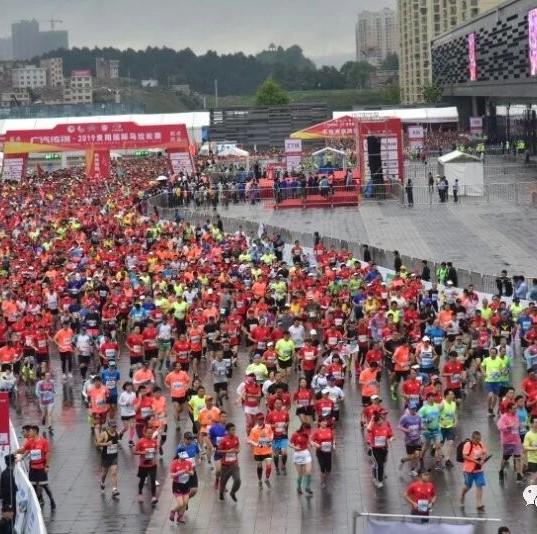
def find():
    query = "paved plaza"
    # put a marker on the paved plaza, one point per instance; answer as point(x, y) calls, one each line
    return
point(478, 236)
point(83, 510)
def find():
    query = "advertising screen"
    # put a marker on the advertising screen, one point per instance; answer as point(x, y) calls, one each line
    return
point(472, 61)
point(532, 36)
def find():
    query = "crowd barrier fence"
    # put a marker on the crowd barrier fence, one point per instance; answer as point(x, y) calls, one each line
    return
point(384, 258)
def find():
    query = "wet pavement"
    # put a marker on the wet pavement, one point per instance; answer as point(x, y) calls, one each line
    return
point(82, 509)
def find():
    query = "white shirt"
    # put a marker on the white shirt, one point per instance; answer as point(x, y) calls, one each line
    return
point(126, 404)
point(298, 334)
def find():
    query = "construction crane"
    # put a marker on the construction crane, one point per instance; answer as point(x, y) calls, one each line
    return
point(52, 22)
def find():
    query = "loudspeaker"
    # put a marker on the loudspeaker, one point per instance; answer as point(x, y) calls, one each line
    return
point(374, 159)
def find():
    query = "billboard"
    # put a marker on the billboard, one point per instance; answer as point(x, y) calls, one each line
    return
point(416, 137)
point(99, 136)
point(476, 125)
point(472, 59)
point(532, 37)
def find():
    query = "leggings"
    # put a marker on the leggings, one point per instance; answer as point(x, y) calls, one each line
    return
point(379, 456)
point(67, 361)
point(145, 472)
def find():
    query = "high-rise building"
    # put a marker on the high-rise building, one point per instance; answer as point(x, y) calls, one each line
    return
point(54, 68)
point(377, 35)
point(420, 21)
point(6, 49)
point(28, 41)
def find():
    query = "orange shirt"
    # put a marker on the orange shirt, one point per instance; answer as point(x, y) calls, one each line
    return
point(475, 451)
point(64, 339)
point(207, 417)
point(178, 384)
point(401, 358)
point(159, 408)
point(444, 318)
point(263, 437)
point(368, 381)
point(98, 400)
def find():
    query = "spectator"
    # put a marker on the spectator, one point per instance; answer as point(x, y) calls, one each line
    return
point(452, 274)
point(504, 285)
point(397, 262)
point(521, 287)
point(425, 271)
point(8, 487)
point(367, 254)
point(532, 293)
point(409, 188)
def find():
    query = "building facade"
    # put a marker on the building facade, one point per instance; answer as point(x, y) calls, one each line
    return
point(377, 35)
point(28, 41)
point(79, 89)
point(6, 49)
point(421, 21)
point(54, 68)
point(491, 61)
point(30, 77)
point(106, 69)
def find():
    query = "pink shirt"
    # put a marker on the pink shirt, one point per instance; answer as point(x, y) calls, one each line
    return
point(509, 427)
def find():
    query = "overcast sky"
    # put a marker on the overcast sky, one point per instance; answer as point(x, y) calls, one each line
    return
point(321, 27)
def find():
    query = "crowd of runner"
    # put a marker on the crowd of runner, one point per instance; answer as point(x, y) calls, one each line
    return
point(89, 279)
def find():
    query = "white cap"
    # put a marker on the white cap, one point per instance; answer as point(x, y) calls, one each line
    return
point(313, 332)
point(426, 338)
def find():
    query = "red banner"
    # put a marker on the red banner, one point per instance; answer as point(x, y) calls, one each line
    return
point(342, 127)
point(98, 163)
point(4, 418)
point(100, 136)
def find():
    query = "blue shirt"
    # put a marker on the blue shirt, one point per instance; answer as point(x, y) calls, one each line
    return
point(110, 378)
point(192, 449)
point(216, 433)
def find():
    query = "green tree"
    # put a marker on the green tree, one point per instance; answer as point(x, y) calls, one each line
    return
point(269, 93)
point(391, 62)
point(432, 94)
point(391, 94)
point(357, 74)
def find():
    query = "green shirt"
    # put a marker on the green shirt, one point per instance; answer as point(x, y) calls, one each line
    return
point(285, 349)
point(530, 440)
point(196, 403)
point(430, 416)
point(448, 414)
point(494, 369)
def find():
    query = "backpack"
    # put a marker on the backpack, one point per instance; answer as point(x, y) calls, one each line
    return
point(459, 454)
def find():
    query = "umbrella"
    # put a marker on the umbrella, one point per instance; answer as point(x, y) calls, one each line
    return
point(162, 178)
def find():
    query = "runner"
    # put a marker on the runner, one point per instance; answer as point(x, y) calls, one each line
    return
point(146, 448)
point(278, 418)
point(127, 411)
point(448, 425)
point(302, 458)
point(261, 438)
point(421, 495)
point(177, 382)
point(64, 338)
point(229, 448)
point(45, 391)
point(98, 405)
point(379, 435)
point(108, 441)
point(38, 449)
point(181, 471)
point(411, 425)
point(323, 439)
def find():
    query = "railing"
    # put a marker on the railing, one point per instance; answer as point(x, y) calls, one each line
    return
point(29, 519)
point(481, 281)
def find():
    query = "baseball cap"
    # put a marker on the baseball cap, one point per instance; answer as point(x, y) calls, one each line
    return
point(324, 391)
point(426, 338)
point(375, 397)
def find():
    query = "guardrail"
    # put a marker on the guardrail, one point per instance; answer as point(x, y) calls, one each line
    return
point(28, 519)
point(481, 281)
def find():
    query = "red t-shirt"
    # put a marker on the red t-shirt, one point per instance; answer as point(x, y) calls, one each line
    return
point(300, 440)
point(454, 369)
point(379, 435)
point(147, 447)
point(279, 421)
point(228, 443)
point(38, 449)
point(324, 437)
point(421, 491)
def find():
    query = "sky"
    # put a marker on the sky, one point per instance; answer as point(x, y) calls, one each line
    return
point(322, 28)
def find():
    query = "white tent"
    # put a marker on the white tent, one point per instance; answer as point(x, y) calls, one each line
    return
point(464, 167)
point(319, 156)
